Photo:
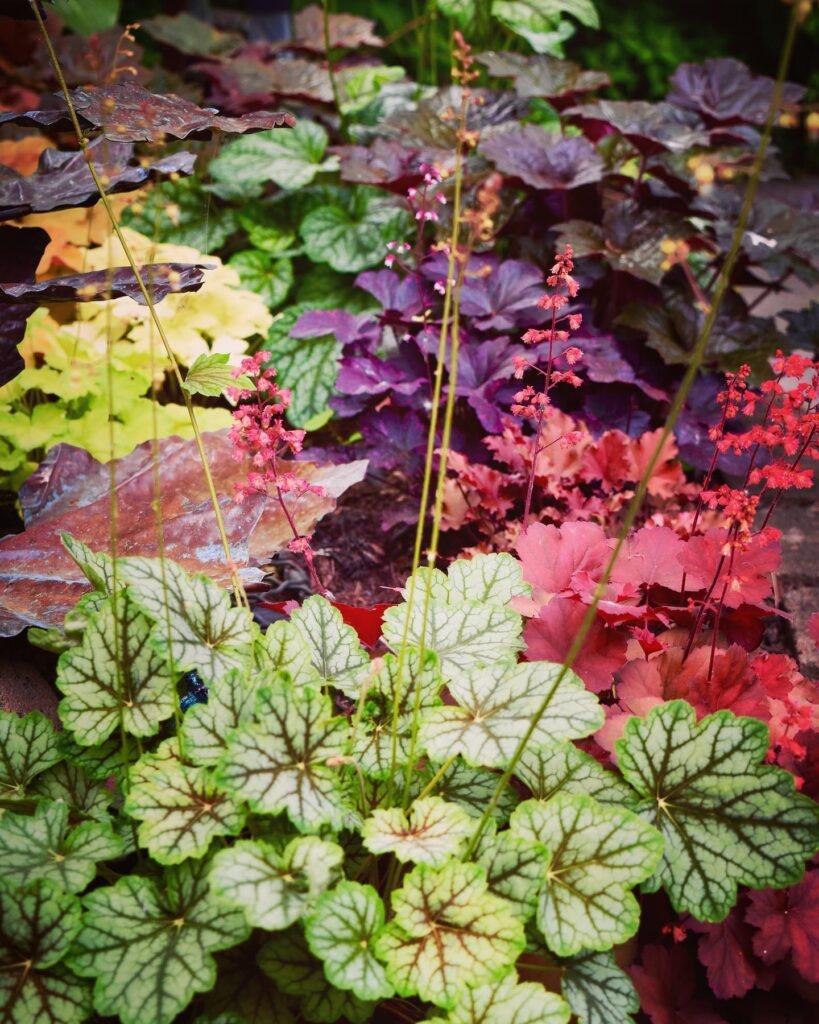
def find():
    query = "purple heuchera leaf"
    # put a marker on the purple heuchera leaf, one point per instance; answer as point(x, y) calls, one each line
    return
point(650, 127)
point(385, 162)
point(345, 327)
point(395, 293)
point(396, 440)
point(504, 298)
point(559, 81)
point(436, 267)
point(369, 376)
point(725, 91)
point(483, 369)
point(542, 159)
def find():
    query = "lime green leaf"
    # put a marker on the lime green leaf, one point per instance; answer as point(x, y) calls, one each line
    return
point(497, 704)
point(70, 784)
point(598, 854)
point(41, 846)
point(181, 811)
point(87, 17)
point(431, 833)
point(149, 948)
point(597, 990)
point(205, 727)
point(269, 225)
point(472, 789)
point(507, 1001)
point(448, 933)
point(286, 959)
point(286, 648)
point(354, 237)
point(341, 932)
point(515, 868)
point(28, 746)
point(281, 764)
point(116, 678)
point(562, 768)
point(540, 22)
point(727, 819)
point(211, 374)
point(335, 650)
point(97, 566)
point(270, 278)
point(275, 889)
point(307, 366)
point(37, 926)
point(289, 158)
point(490, 579)
point(195, 624)
point(461, 11)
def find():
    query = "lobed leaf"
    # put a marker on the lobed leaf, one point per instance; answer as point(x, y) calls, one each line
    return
point(507, 1001)
point(430, 833)
point(28, 747)
point(597, 990)
point(515, 868)
point(335, 651)
point(205, 727)
point(561, 768)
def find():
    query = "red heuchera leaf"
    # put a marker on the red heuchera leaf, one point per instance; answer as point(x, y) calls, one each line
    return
point(549, 637)
point(649, 558)
point(749, 576)
point(367, 622)
point(668, 476)
point(478, 491)
point(666, 982)
point(616, 459)
point(561, 560)
point(726, 952)
point(788, 922)
point(813, 628)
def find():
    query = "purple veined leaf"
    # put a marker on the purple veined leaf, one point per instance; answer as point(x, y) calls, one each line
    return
point(429, 125)
point(39, 581)
point(650, 127)
point(368, 376)
point(126, 112)
point(385, 163)
point(245, 80)
point(20, 252)
point(164, 279)
point(436, 267)
point(559, 81)
point(345, 327)
point(395, 440)
point(396, 294)
point(604, 363)
point(483, 370)
point(724, 91)
point(346, 31)
point(543, 160)
point(505, 298)
point(64, 179)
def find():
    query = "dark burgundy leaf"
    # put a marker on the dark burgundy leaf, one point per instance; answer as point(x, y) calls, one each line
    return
point(126, 112)
point(63, 178)
point(504, 298)
point(89, 60)
point(649, 127)
point(347, 31)
point(667, 985)
point(165, 278)
point(394, 293)
point(21, 10)
point(395, 440)
point(385, 162)
point(20, 252)
point(788, 922)
point(191, 35)
point(559, 81)
point(725, 91)
point(542, 159)
point(432, 122)
point(726, 952)
point(245, 80)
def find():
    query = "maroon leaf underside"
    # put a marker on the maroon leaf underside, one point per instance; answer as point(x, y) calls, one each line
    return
point(244, 79)
point(39, 582)
point(161, 278)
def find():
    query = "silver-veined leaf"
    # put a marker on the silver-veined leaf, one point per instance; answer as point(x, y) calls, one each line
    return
point(28, 746)
point(335, 650)
point(470, 788)
point(98, 567)
point(507, 1001)
point(286, 649)
point(727, 819)
point(598, 854)
point(205, 727)
point(341, 932)
point(515, 868)
point(430, 833)
point(597, 990)
point(70, 784)
point(562, 768)
point(490, 579)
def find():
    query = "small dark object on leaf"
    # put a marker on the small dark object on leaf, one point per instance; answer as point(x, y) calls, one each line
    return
point(197, 692)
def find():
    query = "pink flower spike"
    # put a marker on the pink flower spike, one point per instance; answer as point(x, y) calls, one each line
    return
point(573, 355)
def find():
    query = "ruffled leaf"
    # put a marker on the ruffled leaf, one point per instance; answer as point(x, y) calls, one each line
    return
point(507, 1001)
point(28, 747)
point(597, 990)
point(205, 727)
point(430, 833)
point(335, 651)
point(562, 768)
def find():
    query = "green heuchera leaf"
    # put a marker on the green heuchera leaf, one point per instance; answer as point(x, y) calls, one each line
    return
point(507, 1001)
point(181, 811)
point(540, 22)
point(598, 854)
point(70, 784)
point(286, 648)
point(335, 650)
point(116, 678)
point(449, 933)
point(28, 746)
point(562, 768)
point(205, 727)
point(37, 926)
point(281, 763)
point(275, 889)
point(210, 375)
point(149, 945)
point(205, 632)
point(472, 789)
point(430, 833)
point(103, 760)
point(341, 932)
point(270, 224)
point(354, 236)
point(183, 213)
point(286, 959)
point(515, 868)
point(597, 990)
point(726, 818)
point(97, 566)
point(307, 366)
point(497, 704)
point(290, 158)
point(42, 846)
point(490, 579)
point(270, 278)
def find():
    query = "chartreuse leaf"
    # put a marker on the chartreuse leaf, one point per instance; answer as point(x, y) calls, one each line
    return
point(28, 746)
point(562, 768)
point(196, 627)
point(335, 650)
point(726, 818)
point(448, 933)
point(115, 678)
point(181, 811)
point(286, 648)
point(281, 763)
point(597, 990)
point(205, 727)
point(507, 1001)
point(352, 233)
point(430, 833)
point(286, 959)
point(37, 926)
point(515, 868)
point(70, 784)
point(341, 932)
point(149, 943)
point(43, 846)
point(497, 703)
point(598, 854)
point(490, 579)
point(275, 889)
point(210, 374)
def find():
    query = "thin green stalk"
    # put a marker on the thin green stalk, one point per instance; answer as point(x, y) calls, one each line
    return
point(325, 7)
point(436, 778)
point(697, 354)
